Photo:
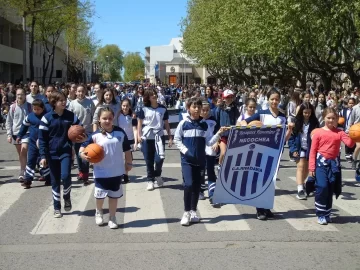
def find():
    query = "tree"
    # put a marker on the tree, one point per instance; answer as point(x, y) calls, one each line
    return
point(134, 67)
point(277, 38)
point(53, 24)
point(48, 20)
point(110, 59)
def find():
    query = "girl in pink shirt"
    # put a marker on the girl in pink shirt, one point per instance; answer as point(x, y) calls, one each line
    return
point(324, 163)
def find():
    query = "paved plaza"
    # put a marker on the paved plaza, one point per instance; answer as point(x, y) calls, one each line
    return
point(151, 237)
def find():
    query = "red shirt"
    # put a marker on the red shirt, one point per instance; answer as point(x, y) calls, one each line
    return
point(327, 143)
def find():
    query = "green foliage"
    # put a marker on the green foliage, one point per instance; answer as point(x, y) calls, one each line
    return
point(110, 59)
point(276, 38)
point(134, 67)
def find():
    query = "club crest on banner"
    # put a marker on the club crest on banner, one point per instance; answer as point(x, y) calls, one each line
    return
point(250, 164)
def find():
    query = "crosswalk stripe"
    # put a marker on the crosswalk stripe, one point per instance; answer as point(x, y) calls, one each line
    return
point(226, 218)
point(9, 194)
point(289, 206)
point(148, 215)
point(69, 223)
point(351, 206)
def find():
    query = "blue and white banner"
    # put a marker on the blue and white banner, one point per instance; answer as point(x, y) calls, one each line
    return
point(249, 170)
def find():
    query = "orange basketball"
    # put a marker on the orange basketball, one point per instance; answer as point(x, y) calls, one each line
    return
point(354, 132)
point(95, 152)
point(255, 123)
point(74, 132)
point(341, 121)
point(313, 132)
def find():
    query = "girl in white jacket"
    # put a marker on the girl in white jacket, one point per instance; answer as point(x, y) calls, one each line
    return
point(16, 115)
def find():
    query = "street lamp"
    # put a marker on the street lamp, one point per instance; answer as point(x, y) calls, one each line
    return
point(25, 14)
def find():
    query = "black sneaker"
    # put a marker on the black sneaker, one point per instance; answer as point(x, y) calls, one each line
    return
point(261, 215)
point(301, 195)
point(215, 205)
point(26, 184)
point(67, 206)
point(268, 213)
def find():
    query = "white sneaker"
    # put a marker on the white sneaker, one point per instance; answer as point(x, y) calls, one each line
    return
point(150, 186)
point(112, 223)
point(159, 181)
point(185, 221)
point(322, 221)
point(57, 214)
point(99, 219)
point(21, 176)
point(201, 196)
point(194, 217)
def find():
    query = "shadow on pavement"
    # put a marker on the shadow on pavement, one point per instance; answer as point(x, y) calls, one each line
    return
point(91, 212)
point(148, 222)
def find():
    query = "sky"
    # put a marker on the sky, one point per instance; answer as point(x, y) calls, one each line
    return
point(136, 24)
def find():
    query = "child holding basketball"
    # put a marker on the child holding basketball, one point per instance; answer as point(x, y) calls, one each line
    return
point(324, 163)
point(56, 149)
point(300, 144)
point(108, 172)
point(124, 120)
point(270, 116)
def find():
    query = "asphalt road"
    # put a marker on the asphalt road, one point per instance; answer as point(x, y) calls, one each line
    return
point(151, 237)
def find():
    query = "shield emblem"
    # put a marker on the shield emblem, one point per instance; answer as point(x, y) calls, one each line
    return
point(247, 172)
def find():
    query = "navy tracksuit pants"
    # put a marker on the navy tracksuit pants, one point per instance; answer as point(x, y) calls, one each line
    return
point(324, 190)
point(210, 171)
point(32, 160)
point(192, 182)
point(60, 170)
point(148, 148)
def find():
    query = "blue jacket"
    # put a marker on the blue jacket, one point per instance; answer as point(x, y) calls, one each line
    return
point(226, 117)
point(48, 107)
point(191, 137)
point(53, 134)
point(32, 122)
point(295, 141)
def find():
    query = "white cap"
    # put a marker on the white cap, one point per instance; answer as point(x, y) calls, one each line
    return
point(228, 93)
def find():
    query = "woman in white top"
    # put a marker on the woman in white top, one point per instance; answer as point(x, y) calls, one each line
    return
point(107, 100)
point(124, 121)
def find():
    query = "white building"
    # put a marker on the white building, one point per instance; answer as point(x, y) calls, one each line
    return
point(169, 64)
point(11, 53)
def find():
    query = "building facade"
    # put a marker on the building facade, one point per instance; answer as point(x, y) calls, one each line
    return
point(11, 53)
point(170, 65)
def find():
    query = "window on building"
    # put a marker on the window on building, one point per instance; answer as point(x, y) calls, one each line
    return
point(182, 51)
point(175, 51)
point(1, 34)
point(59, 73)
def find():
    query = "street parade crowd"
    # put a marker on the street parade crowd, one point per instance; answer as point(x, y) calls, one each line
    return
point(127, 118)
